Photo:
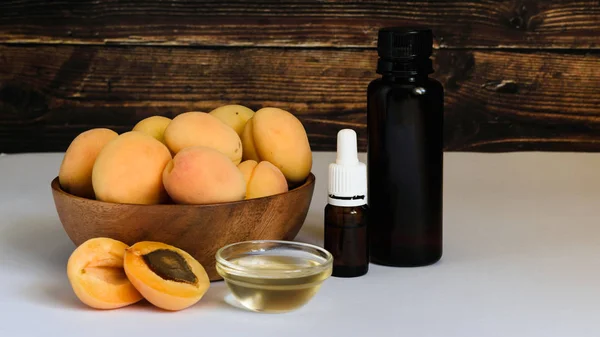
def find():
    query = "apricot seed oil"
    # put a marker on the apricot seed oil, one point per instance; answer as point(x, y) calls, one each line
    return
point(276, 290)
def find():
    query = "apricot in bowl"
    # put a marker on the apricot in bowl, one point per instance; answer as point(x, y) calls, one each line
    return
point(200, 230)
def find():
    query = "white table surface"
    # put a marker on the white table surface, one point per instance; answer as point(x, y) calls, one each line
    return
point(521, 258)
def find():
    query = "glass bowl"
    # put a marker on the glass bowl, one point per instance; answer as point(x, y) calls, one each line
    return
point(273, 276)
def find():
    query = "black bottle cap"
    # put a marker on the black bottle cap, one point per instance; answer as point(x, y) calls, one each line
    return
point(404, 43)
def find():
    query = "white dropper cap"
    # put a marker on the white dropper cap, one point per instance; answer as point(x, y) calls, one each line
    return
point(347, 176)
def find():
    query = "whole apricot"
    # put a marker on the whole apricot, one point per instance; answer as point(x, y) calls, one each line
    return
point(248, 146)
point(202, 175)
point(234, 115)
point(262, 179)
point(277, 136)
point(203, 129)
point(247, 168)
point(166, 276)
point(95, 271)
point(129, 170)
point(75, 173)
point(154, 126)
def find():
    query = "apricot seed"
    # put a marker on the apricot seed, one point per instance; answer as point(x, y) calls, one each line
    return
point(170, 266)
point(95, 271)
point(166, 276)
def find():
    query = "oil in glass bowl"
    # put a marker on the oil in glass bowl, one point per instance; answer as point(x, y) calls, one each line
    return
point(273, 276)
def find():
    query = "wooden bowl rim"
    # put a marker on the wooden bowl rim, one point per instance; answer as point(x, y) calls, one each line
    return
point(310, 180)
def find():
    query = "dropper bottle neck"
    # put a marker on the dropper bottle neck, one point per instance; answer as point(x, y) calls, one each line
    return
point(347, 176)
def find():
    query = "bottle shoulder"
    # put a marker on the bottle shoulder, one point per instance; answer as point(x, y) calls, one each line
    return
point(433, 83)
point(341, 216)
point(383, 87)
point(346, 210)
point(376, 83)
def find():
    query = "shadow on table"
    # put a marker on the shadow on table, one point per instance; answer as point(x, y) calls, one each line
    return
point(218, 296)
point(53, 294)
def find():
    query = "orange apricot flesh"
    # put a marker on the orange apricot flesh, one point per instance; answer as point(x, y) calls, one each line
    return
point(95, 271)
point(166, 276)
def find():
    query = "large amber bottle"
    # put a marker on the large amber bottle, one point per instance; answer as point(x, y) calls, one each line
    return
point(405, 151)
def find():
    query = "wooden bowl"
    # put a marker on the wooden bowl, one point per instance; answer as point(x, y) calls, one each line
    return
point(198, 229)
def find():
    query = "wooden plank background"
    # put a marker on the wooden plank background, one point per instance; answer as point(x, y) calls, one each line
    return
point(519, 75)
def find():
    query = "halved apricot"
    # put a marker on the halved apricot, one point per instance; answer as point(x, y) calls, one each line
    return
point(166, 276)
point(95, 271)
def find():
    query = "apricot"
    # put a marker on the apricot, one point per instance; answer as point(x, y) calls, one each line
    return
point(234, 115)
point(203, 129)
point(166, 276)
point(248, 148)
point(262, 179)
point(129, 170)
point(95, 271)
point(75, 173)
point(247, 168)
point(153, 126)
point(277, 136)
point(202, 175)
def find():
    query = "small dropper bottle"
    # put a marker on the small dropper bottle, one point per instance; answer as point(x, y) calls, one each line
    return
point(346, 211)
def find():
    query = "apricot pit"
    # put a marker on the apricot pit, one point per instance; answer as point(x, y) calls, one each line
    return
point(170, 266)
point(166, 276)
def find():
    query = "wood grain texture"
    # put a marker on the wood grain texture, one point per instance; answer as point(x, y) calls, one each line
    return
point(199, 230)
point(495, 101)
point(302, 23)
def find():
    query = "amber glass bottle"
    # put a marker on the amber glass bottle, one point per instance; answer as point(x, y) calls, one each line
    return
point(405, 151)
point(346, 239)
point(346, 213)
